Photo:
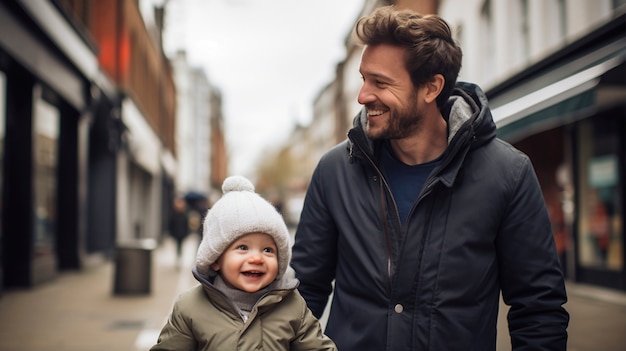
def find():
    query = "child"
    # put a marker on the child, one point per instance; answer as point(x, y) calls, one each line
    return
point(244, 301)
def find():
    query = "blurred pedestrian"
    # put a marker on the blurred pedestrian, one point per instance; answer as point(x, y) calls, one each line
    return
point(179, 226)
point(197, 205)
point(423, 217)
point(247, 297)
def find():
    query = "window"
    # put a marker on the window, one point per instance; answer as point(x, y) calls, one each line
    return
point(553, 22)
point(487, 41)
point(3, 96)
point(524, 30)
point(46, 124)
point(600, 208)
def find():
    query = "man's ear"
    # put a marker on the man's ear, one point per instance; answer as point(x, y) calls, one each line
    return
point(434, 87)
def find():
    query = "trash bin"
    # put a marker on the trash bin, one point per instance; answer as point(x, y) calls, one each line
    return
point(133, 267)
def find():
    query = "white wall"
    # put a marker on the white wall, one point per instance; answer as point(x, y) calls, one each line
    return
point(490, 56)
point(139, 178)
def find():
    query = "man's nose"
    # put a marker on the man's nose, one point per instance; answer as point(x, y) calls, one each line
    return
point(365, 95)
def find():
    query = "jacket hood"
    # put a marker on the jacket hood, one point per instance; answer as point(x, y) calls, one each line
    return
point(468, 106)
point(466, 112)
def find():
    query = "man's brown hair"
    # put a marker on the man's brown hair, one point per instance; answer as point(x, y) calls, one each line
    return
point(430, 48)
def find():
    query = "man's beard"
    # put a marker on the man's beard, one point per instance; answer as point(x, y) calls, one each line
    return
point(401, 123)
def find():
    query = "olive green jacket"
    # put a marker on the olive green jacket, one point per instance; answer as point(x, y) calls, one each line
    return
point(203, 318)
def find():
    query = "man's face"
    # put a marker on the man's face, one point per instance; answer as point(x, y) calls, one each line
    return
point(388, 94)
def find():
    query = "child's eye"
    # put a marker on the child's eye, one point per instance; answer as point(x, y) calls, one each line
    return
point(268, 250)
point(242, 247)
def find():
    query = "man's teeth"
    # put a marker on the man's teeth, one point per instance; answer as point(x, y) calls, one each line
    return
point(375, 112)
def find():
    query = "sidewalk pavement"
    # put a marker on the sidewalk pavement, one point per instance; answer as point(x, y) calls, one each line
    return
point(597, 318)
point(78, 311)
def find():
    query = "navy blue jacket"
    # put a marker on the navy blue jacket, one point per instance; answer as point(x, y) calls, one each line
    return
point(478, 228)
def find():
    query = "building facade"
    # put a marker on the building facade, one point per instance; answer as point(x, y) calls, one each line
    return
point(200, 145)
point(556, 82)
point(87, 107)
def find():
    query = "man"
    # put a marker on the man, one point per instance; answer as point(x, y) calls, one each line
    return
point(423, 217)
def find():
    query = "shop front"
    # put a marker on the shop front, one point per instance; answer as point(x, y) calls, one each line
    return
point(46, 85)
point(568, 113)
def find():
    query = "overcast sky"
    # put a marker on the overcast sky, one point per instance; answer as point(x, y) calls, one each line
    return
point(269, 58)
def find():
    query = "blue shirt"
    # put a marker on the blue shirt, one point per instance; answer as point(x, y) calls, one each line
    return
point(406, 181)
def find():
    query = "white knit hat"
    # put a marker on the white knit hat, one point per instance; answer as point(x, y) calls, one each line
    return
point(241, 211)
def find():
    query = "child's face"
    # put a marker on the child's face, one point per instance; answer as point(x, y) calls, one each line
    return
point(250, 263)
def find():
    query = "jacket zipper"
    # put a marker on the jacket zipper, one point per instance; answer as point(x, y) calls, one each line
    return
point(385, 186)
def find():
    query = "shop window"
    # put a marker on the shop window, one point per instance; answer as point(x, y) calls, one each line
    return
point(3, 96)
point(46, 121)
point(600, 222)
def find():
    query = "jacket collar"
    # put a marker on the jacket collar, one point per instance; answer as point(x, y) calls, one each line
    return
point(470, 125)
point(279, 288)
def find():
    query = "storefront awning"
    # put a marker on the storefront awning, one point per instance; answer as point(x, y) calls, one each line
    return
point(559, 96)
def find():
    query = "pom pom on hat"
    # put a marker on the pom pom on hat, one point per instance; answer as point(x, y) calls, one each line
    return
point(241, 211)
point(237, 183)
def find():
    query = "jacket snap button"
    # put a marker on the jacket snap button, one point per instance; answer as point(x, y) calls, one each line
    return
point(398, 308)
